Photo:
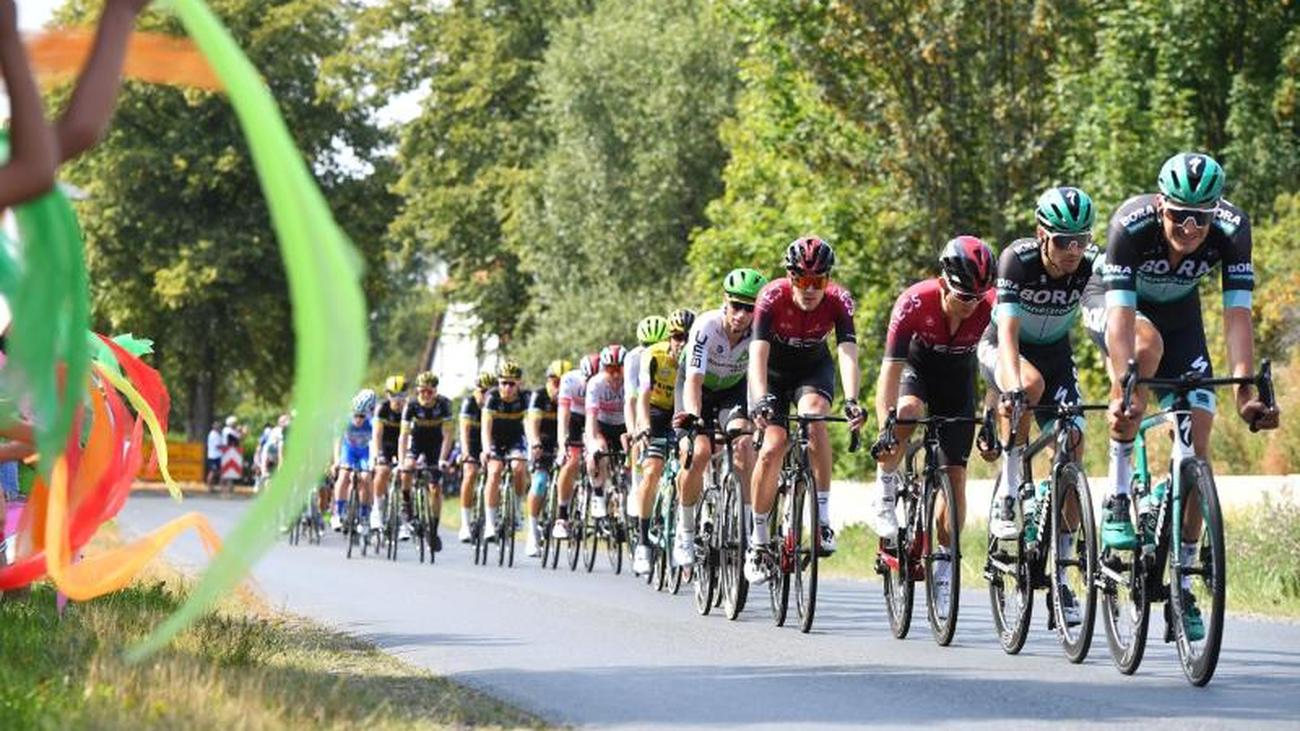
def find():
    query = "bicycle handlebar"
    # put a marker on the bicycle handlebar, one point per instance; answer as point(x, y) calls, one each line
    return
point(855, 437)
point(1262, 381)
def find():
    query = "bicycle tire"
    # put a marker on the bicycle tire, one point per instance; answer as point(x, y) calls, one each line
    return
point(943, 628)
point(1126, 611)
point(779, 580)
point(1012, 607)
point(1199, 663)
point(1076, 643)
point(617, 509)
point(350, 519)
point(511, 533)
point(807, 544)
point(899, 581)
point(549, 506)
point(422, 528)
point(735, 537)
point(393, 520)
point(577, 516)
point(705, 574)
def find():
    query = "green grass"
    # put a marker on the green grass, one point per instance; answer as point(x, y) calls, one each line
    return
point(1263, 557)
point(237, 668)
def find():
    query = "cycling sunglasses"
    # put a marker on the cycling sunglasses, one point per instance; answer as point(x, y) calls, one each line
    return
point(1201, 217)
point(742, 306)
point(960, 296)
point(1065, 242)
point(503, 384)
point(809, 281)
point(678, 337)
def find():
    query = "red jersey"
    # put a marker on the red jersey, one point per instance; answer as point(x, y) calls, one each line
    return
point(918, 327)
point(778, 320)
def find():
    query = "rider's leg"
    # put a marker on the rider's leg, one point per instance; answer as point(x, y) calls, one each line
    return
point(690, 483)
point(957, 478)
point(652, 469)
point(763, 485)
point(1150, 349)
point(742, 451)
point(493, 498)
point(889, 467)
point(819, 446)
point(341, 493)
point(1013, 460)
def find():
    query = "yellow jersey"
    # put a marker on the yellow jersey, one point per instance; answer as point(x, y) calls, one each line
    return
point(659, 375)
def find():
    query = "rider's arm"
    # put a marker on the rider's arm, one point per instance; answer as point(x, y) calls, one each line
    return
point(376, 436)
point(643, 406)
point(846, 342)
point(1119, 273)
point(757, 376)
point(693, 393)
point(1239, 332)
point(465, 432)
point(697, 365)
point(1238, 281)
point(445, 452)
point(850, 374)
point(1008, 373)
point(887, 388)
point(485, 429)
point(533, 424)
point(562, 422)
point(593, 410)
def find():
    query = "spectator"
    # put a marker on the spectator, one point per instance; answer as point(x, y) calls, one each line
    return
point(214, 454)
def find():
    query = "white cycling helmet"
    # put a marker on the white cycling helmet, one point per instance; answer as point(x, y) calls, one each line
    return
point(363, 402)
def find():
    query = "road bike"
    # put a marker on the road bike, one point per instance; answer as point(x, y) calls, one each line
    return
point(550, 548)
point(1058, 511)
point(911, 555)
point(791, 558)
point(1154, 571)
point(352, 513)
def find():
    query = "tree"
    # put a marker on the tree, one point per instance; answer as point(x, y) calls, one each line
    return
point(179, 242)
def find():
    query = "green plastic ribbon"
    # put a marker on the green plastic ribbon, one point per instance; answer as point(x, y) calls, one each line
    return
point(324, 276)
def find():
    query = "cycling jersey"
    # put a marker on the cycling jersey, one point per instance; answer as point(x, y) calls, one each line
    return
point(425, 423)
point(507, 419)
point(918, 326)
point(1137, 269)
point(632, 372)
point(796, 334)
point(392, 420)
point(604, 400)
point(541, 404)
point(470, 412)
point(712, 354)
point(573, 392)
point(1047, 307)
point(354, 445)
point(659, 375)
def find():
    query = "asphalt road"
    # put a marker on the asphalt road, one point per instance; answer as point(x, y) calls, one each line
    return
point(600, 650)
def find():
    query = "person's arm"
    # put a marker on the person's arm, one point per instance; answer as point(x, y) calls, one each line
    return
point(485, 427)
point(757, 376)
point(444, 455)
point(1011, 272)
point(887, 385)
point(1008, 372)
point(562, 421)
point(376, 436)
point(85, 120)
point(533, 424)
point(404, 435)
point(850, 373)
point(846, 343)
point(589, 428)
point(33, 154)
point(643, 406)
point(465, 432)
point(697, 366)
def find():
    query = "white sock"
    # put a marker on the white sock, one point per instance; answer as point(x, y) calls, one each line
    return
point(465, 517)
point(686, 516)
point(759, 536)
point(887, 483)
point(1187, 555)
point(1065, 551)
point(1121, 466)
point(532, 526)
point(824, 506)
point(633, 507)
point(1011, 468)
point(491, 516)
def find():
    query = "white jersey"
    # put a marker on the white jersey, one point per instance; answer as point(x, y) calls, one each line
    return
point(605, 400)
point(632, 373)
point(712, 354)
point(573, 392)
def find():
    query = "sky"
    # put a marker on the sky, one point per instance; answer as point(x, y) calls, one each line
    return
point(32, 14)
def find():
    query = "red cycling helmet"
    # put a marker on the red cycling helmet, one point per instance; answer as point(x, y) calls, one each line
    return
point(809, 255)
point(967, 265)
point(590, 364)
point(612, 355)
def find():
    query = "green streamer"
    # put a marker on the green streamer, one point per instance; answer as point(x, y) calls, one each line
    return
point(328, 315)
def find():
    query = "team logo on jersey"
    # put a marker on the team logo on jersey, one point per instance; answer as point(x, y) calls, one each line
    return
point(1139, 217)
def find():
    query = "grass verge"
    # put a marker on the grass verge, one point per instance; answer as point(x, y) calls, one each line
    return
point(1263, 545)
point(240, 667)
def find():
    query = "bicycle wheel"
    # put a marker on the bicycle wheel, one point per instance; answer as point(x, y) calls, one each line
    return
point(393, 520)
point(476, 528)
point(735, 588)
point(512, 529)
point(1208, 572)
point(1078, 571)
point(670, 537)
point(943, 627)
point(706, 571)
point(1011, 591)
point(778, 582)
point(1125, 604)
point(422, 529)
point(350, 520)
point(897, 567)
point(806, 529)
point(577, 516)
point(549, 507)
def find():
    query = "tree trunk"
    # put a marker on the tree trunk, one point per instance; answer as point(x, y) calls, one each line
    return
point(201, 405)
point(431, 343)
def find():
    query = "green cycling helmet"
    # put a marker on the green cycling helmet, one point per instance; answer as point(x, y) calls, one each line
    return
point(651, 330)
point(1065, 210)
point(1192, 179)
point(744, 284)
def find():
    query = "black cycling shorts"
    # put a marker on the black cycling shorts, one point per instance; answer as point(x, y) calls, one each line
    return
point(1054, 361)
point(948, 389)
point(788, 386)
point(613, 434)
point(1181, 329)
point(723, 407)
point(661, 434)
point(577, 426)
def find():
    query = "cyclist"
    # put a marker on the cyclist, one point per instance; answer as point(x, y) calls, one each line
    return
point(1026, 350)
point(655, 407)
point(606, 429)
point(426, 434)
point(472, 443)
point(930, 364)
point(353, 450)
point(650, 330)
point(790, 364)
point(503, 438)
point(542, 444)
point(1143, 303)
point(273, 450)
point(388, 427)
point(571, 425)
point(713, 392)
